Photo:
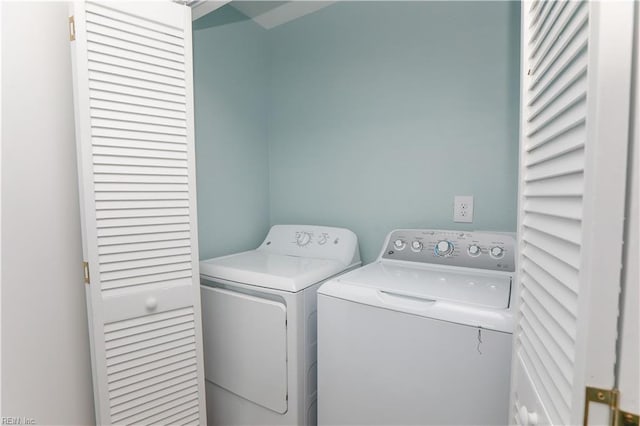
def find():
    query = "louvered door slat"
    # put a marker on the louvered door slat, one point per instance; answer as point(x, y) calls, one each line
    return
point(542, 302)
point(557, 364)
point(134, 264)
point(536, 11)
point(574, 87)
point(558, 100)
point(149, 379)
point(163, 390)
point(542, 34)
point(143, 18)
point(571, 36)
point(567, 230)
point(564, 274)
point(173, 68)
point(146, 229)
point(156, 365)
point(567, 208)
point(119, 226)
point(549, 37)
point(537, 383)
point(150, 413)
point(122, 258)
point(138, 195)
point(133, 34)
point(138, 149)
point(536, 361)
point(568, 163)
point(136, 155)
point(130, 117)
point(102, 87)
point(560, 186)
point(551, 219)
point(139, 29)
point(118, 354)
point(126, 107)
point(135, 70)
point(140, 355)
point(540, 30)
point(572, 140)
point(565, 72)
point(561, 354)
point(115, 95)
point(124, 44)
point(130, 392)
point(181, 410)
point(128, 160)
point(142, 403)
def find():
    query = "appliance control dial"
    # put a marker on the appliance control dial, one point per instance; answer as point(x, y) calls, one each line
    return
point(416, 245)
point(443, 248)
point(323, 238)
point(474, 250)
point(496, 252)
point(303, 238)
point(399, 244)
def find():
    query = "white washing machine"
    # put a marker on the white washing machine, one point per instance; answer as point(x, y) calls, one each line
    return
point(259, 324)
point(422, 336)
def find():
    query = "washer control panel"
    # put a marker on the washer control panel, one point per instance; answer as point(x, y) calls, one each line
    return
point(483, 250)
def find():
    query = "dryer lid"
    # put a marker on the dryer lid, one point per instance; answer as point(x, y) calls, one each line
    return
point(480, 289)
point(262, 268)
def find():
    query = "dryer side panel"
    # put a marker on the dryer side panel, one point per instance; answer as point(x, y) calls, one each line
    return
point(245, 346)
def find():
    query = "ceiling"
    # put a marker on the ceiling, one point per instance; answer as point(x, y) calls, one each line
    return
point(268, 14)
point(254, 9)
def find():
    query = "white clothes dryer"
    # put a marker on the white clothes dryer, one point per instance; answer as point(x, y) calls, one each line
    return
point(260, 324)
point(422, 336)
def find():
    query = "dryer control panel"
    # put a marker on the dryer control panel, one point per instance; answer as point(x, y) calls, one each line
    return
point(321, 242)
point(482, 250)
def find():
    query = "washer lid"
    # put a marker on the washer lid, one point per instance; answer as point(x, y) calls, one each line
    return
point(276, 271)
point(479, 289)
point(471, 299)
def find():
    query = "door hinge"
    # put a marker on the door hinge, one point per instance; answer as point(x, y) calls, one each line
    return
point(610, 398)
point(72, 28)
point(85, 267)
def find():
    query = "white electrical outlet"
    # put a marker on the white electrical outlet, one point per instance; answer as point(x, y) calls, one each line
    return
point(463, 208)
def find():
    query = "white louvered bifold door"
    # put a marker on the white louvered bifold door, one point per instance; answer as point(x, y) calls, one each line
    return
point(576, 59)
point(132, 65)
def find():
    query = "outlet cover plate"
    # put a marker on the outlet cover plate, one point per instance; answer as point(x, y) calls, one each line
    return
point(463, 208)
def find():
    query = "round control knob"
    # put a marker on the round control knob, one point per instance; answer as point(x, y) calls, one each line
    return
point(303, 238)
point(416, 245)
point(443, 248)
point(474, 250)
point(399, 244)
point(496, 252)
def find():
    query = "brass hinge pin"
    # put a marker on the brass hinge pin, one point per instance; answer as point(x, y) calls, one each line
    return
point(85, 267)
point(72, 28)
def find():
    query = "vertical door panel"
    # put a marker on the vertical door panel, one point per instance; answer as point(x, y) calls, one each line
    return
point(574, 123)
point(134, 123)
point(628, 377)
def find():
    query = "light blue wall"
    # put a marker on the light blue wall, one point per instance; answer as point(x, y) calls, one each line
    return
point(367, 115)
point(230, 82)
point(381, 112)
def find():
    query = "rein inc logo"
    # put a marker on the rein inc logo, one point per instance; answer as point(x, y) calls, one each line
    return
point(17, 421)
